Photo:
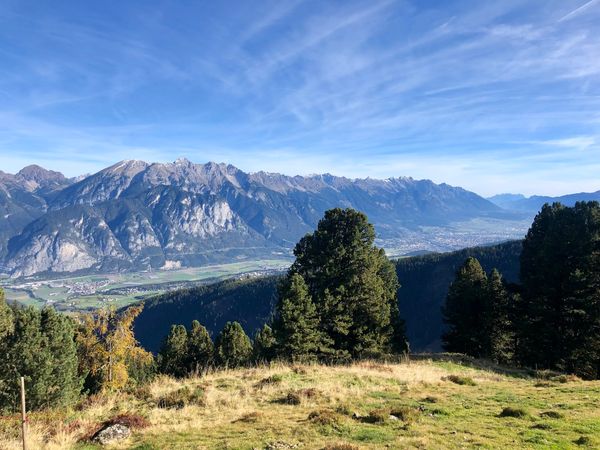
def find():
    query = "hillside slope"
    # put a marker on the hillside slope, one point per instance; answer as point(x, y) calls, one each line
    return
point(424, 279)
point(366, 405)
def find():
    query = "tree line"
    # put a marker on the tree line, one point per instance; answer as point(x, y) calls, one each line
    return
point(337, 302)
point(551, 319)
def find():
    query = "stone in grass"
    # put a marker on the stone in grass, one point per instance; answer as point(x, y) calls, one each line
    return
point(112, 433)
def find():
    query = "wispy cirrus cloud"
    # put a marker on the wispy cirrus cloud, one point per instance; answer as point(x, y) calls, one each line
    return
point(464, 92)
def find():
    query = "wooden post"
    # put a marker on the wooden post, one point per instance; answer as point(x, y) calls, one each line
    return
point(23, 414)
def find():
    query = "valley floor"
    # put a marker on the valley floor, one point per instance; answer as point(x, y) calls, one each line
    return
point(420, 404)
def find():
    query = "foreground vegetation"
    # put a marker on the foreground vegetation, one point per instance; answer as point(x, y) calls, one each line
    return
point(365, 405)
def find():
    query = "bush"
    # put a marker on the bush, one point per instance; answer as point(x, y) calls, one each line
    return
point(130, 420)
point(251, 417)
point(324, 417)
point(292, 398)
point(181, 398)
point(565, 378)
point(583, 440)
point(340, 447)
point(405, 413)
point(461, 380)
point(378, 416)
point(509, 411)
point(273, 379)
point(552, 415)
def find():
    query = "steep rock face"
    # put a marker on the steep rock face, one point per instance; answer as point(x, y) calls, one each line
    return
point(139, 215)
point(72, 239)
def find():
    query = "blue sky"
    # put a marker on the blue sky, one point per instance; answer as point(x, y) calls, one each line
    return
point(494, 96)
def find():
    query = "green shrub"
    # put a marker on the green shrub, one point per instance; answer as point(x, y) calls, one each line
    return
point(130, 420)
point(251, 417)
point(552, 415)
point(340, 447)
point(268, 381)
point(181, 398)
point(378, 416)
point(583, 440)
point(405, 413)
point(324, 417)
point(510, 411)
point(461, 380)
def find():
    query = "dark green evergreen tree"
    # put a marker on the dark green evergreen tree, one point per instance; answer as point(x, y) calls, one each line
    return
point(41, 348)
point(200, 348)
point(560, 270)
point(352, 285)
point(466, 312)
point(66, 384)
point(297, 325)
point(172, 358)
point(6, 318)
point(264, 344)
point(233, 347)
point(500, 329)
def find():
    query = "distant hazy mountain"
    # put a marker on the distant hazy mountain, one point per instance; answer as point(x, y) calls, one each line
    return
point(533, 204)
point(136, 215)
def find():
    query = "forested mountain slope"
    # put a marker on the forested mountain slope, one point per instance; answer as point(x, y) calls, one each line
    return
point(424, 279)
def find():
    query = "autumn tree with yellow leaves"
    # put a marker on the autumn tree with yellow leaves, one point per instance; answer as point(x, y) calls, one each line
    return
point(108, 352)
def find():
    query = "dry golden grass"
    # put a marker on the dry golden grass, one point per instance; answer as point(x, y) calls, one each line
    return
point(246, 409)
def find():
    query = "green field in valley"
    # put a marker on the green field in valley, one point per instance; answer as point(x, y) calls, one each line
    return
point(120, 289)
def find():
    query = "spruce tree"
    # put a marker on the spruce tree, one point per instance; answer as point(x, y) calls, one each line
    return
point(466, 311)
point(200, 348)
point(264, 344)
point(60, 333)
point(499, 327)
point(173, 354)
point(352, 285)
point(233, 347)
point(297, 326)
point(560, 270)
point(6, 318)
point(41, 348)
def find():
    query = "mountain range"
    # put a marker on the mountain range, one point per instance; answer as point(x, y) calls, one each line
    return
point(519, 202)
point(136, 215)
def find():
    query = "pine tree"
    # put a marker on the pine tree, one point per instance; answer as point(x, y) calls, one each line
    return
point(173, 358)
point(6, 319)
point(41, 348)
point(200, 349)
point(560, 270)
point(264, 344)
point(500, 327)
point(297, 326)
point(352, 285)
point(60, 332)
point(466, 311)
point(233, 347)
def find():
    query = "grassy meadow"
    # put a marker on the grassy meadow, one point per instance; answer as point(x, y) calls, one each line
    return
point(421, 404)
